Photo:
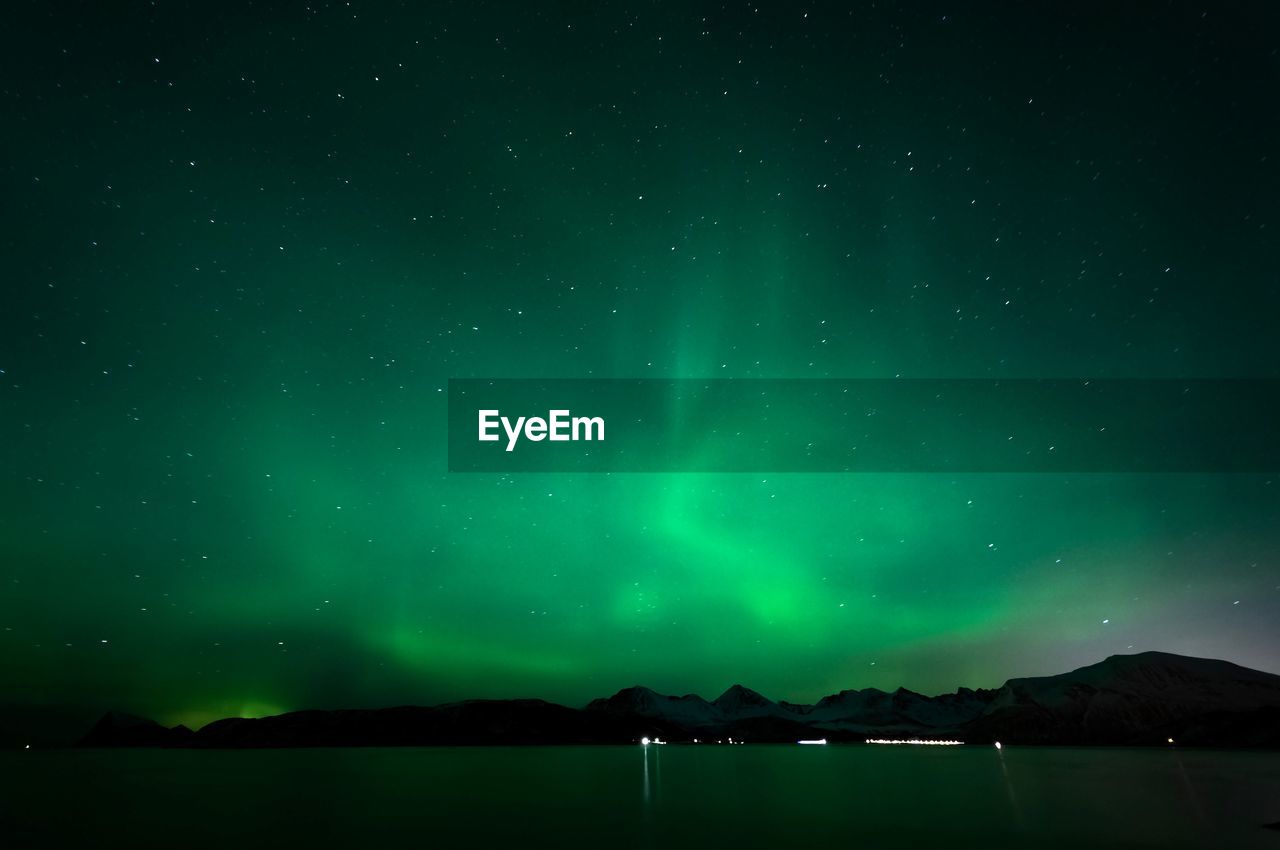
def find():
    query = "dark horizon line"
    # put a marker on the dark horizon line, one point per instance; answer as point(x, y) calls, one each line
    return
point(726, 691)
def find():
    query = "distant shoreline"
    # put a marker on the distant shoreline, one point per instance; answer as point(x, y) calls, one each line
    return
point(1150, 699)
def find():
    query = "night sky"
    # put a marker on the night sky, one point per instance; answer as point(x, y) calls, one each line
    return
point(245, 249)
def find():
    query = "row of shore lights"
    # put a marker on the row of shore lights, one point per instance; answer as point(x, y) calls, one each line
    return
point(644, 742)
point(911, 741)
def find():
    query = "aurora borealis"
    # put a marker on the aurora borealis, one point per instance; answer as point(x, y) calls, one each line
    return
point(246, 250)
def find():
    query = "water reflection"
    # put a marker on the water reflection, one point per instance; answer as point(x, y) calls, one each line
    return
point(1190, 789)
point(1008, 786)
point(648, 791)
point(650, 772)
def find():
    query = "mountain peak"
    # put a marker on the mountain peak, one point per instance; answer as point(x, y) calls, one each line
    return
point(1151, 667)
point(738, 696)
point(117, 728)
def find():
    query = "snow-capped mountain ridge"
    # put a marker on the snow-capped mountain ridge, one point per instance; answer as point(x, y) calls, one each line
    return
point(1123, 697)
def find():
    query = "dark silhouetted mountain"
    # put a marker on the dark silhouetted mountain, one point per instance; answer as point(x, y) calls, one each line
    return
point(117, 729)
point(43, 725)
point(1135, 699)
point(525, 721)
point(1143, 699)
point(874, 709)
point(738, 701)
point(689, 711)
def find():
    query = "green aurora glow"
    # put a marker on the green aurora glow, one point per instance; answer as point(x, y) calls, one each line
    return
point(245, 252)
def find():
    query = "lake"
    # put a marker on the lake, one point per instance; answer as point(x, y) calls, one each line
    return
point(657, 796)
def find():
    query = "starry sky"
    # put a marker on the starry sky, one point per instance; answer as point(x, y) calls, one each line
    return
point(245, 249)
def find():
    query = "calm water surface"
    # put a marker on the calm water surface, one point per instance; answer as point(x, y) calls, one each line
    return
point(669, 797)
